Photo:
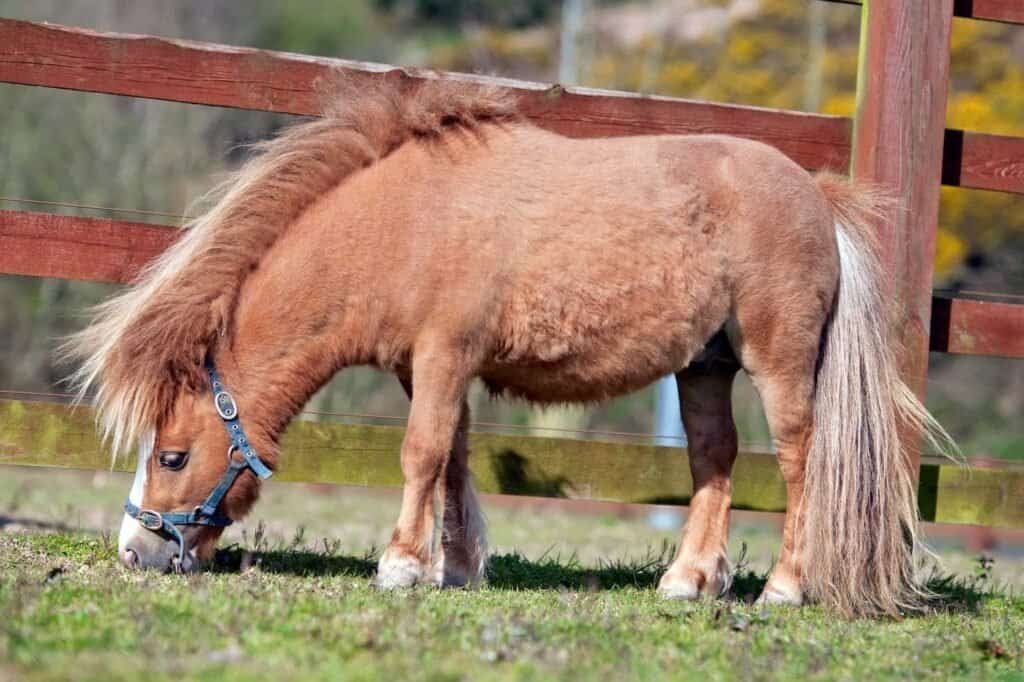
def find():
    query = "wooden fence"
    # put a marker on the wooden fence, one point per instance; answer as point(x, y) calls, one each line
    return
point(897, 138)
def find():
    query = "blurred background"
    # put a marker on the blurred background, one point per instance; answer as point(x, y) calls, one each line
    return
point(100, 150)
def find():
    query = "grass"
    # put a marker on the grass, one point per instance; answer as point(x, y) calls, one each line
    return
point(285, 604)
point(70, 612)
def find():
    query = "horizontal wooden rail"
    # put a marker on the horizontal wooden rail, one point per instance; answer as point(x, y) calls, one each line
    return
point(48, 434)
point(968, 327)
point(74, 247)
point(1008, 11)
point(983, 161)
point(203, 73)
point(104, 250)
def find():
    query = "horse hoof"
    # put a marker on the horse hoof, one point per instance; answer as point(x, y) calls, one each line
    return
point(688, 582)
point(678, 589)
point(461, 574)
point(780, 597)
point(394, 572)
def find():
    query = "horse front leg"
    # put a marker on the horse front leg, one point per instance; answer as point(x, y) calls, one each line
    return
point(701, 566)
point(463, 551)
point(413, 554)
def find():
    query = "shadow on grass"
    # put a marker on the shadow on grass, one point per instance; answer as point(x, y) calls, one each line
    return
point(953, 594)
point(504, 571)
point(516, 572)
point(507, 571)
point(299, 562)
point(956, 594)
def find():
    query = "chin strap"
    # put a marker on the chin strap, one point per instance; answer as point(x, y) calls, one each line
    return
point(206, 514)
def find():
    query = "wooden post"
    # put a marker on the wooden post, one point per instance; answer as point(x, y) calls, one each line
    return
point(897, 143)
point(902, 80)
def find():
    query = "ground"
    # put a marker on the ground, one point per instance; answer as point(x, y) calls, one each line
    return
point(290, 599)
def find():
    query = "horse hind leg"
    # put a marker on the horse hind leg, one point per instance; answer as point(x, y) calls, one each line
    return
point(701, 565)
point(784, 375)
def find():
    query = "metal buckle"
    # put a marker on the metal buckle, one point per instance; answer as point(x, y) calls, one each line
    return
point(225, 405)
point(151, 520)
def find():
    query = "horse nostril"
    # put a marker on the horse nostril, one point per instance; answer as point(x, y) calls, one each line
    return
point(130, 558)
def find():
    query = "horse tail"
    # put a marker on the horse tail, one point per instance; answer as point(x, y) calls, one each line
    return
point(861, 539)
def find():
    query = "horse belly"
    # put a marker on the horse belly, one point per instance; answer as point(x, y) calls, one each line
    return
point(588, 343)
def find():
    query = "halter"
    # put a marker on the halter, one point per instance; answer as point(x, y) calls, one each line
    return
point(206, 514)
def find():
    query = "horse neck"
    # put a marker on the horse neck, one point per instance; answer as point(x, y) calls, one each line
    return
point(289, 336)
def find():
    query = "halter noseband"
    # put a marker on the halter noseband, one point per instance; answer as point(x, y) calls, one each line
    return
point(206, 514)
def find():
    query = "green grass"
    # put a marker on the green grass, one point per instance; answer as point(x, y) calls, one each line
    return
point(570, 596)
point(68, 611)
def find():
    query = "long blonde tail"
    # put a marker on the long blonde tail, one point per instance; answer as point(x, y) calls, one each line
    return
point(861, 538)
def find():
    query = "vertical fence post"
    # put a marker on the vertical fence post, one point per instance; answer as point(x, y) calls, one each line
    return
point(902, 82)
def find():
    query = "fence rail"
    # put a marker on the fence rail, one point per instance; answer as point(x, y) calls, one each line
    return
point(1007, 11)
point(245, 78)
point(907, 43)
point(46, 434)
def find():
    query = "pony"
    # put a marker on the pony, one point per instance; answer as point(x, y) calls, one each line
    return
point(430, 230)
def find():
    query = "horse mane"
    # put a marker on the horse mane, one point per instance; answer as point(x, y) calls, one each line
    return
point(151, 339)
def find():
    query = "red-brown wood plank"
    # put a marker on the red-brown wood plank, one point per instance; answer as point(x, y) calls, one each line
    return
point(1008, 11)
point(898, 138)
point(981, 161)
point(971, 327)
point(998, 10)
point(203, 73)
point(898, 142)
point(73, 247)
point(103, 250)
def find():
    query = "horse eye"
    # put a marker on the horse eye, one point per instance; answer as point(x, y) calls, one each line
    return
point(173, 460)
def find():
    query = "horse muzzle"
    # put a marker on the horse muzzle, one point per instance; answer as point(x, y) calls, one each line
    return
point(140, 547)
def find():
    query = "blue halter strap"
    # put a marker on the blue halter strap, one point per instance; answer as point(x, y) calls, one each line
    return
point(206, 514)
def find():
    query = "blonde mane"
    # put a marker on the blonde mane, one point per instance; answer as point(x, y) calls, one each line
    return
point(147, 342)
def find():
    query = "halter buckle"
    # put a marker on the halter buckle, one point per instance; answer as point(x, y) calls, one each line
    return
point(151, 520)
point(225, 405)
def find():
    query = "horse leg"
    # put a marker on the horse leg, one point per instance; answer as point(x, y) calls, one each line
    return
point(434, 419)
point(701, 564)
point(463, 538)
point(785, 381)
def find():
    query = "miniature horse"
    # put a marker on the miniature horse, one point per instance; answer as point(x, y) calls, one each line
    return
point(431, 231)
